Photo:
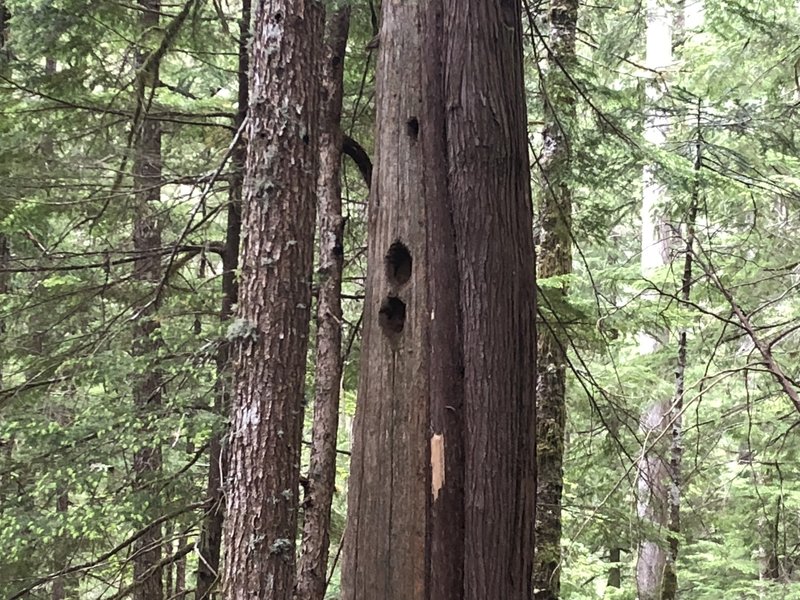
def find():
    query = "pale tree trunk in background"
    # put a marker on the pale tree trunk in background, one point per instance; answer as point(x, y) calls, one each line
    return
point(652, 472)
point(211, 537)
point(554, 258)
point(442, 485)
point(312, 566)
point(147, 269)
point(271, 328)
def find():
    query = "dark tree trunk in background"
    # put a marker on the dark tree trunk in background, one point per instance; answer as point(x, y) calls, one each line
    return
point(271, 328)
point(147, 270)
point(211, 537)
point(669, 588)
point(313, 562)
point(5, 50)
point(554, 259)
point(442, 494)
point(614, 573)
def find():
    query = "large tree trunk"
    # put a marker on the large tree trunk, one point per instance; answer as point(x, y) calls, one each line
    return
point(442, 480)
point(554, 259)
point(211, 537)
point(271, 329)
point(147, 269)
point(312, 566)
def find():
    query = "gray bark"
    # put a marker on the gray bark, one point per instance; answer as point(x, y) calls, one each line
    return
point(270, 332)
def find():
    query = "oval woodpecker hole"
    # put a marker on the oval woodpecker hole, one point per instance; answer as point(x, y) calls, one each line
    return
point(398, 264)
point(412, 125)
point(392, 317)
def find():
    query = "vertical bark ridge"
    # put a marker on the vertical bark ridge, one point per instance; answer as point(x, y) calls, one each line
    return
point(442, 487)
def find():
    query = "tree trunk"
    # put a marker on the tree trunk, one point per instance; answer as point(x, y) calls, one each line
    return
point(653, 473)
point(180, 571)
point(312, 567)
point(147, 270)
point(5, 50)
point(669, 588)
point(211, 536)
point(614, 573)
point(442, 478)
point(59, 591)
point(5, 256)
point(554, 259)
point(271, 330)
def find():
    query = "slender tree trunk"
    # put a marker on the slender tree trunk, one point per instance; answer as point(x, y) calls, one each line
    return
point(312, 566)
point(180, 571)
point(271, 329)
point(167, 575)
point(59, 591)
point(442, 478)
point(669, 590)
point(5, 252)
point(147, 270)
point(211, 537)
point(554, 259)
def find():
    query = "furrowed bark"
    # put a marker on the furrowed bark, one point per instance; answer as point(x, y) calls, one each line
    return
point(442, 487)
point(211, 537)
point(554, 258)
point(313, 562)
point(271, 327)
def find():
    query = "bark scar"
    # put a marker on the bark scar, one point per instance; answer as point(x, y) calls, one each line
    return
point(437, 464)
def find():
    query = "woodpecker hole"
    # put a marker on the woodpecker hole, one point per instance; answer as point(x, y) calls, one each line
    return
point(392, 317)
point(398, 264)
point(412, 125)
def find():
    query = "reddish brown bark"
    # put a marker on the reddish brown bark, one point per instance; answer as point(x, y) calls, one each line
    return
point(271, 329)
point(442, 479)
point(312, 566)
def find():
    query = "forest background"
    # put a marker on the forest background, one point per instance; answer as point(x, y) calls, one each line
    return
point(112, 271)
